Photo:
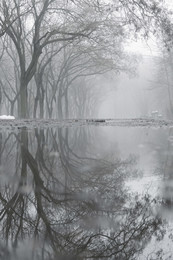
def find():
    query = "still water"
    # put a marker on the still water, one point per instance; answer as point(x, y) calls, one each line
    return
point(86, 193)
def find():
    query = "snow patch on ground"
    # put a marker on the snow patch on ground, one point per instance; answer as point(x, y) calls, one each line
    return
point(7, 117)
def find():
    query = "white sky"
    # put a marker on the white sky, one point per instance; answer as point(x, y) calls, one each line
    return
point(144, 48)
point(169, 3)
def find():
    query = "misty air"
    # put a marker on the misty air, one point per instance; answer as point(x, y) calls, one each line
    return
point(86, 129)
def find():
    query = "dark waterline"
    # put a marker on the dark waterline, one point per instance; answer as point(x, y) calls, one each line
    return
point(86, 193)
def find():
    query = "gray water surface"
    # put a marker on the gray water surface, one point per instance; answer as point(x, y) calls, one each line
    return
point(89, 192)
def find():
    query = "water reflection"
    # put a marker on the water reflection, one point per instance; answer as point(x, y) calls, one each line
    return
point(63, 198)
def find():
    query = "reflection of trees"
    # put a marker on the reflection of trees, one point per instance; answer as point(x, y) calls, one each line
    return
point(162, 145)
point(165, 158)
point(71, 204)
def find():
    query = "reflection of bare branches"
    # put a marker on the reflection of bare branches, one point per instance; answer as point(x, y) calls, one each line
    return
point(77, 206)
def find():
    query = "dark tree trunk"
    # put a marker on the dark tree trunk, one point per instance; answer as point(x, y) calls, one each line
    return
point(66, 104)
point(41, 107)
point(23, 100)
point(35, 106)
point(60, 112)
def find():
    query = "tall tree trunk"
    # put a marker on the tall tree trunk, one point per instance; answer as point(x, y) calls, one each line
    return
point(23, 99)
point(35, 106)
point(60, 108)
point(41, 107)
point(12, 108)
point(60, 113)
point(66, 104)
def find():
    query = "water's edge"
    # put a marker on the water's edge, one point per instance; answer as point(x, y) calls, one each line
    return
point(44, 123)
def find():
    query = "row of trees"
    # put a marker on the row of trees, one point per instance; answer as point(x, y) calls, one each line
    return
point(52, 51)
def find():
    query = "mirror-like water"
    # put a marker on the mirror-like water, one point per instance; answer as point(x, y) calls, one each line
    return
point(86, 193)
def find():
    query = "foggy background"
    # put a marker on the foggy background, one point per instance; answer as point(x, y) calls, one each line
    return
point(138, 95)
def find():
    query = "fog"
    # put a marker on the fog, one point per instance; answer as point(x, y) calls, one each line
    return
point(136, 95)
